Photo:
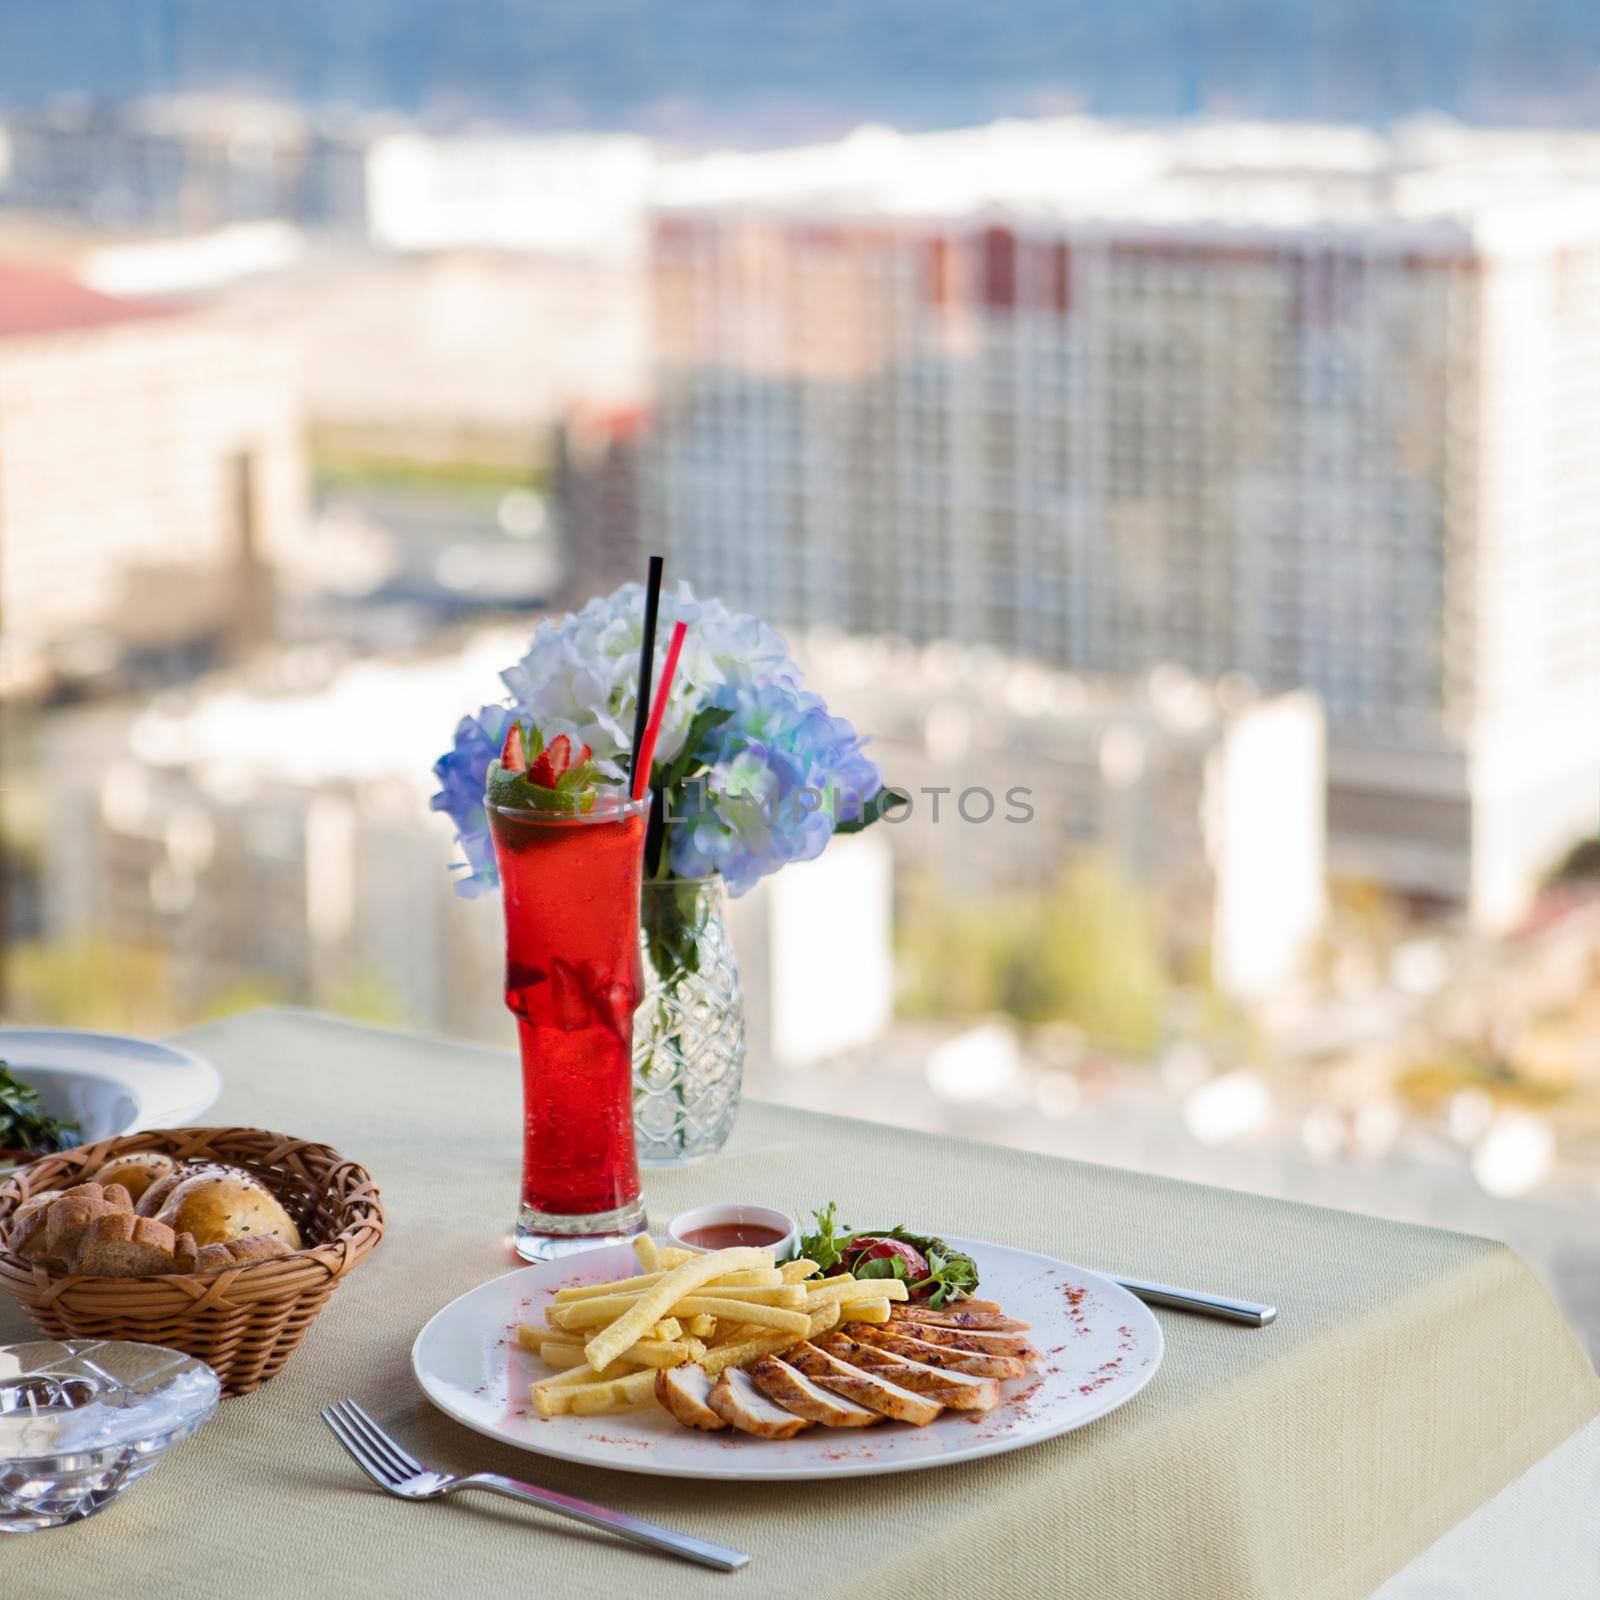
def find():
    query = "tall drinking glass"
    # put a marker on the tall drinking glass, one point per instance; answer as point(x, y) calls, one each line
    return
point(570, 886)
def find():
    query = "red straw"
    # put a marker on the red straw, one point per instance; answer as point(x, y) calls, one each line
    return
point(652, 731)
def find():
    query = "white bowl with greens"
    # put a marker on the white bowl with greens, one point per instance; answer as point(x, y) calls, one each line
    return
point(63, 1087)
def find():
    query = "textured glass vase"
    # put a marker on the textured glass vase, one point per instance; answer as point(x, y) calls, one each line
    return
point(688, 1033)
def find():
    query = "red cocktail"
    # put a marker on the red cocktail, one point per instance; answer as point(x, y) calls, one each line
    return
point(570, 884)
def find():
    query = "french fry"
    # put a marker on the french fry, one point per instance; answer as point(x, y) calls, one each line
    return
point(591, 1291)
point(661, 1298)
point(591, 1314)
point(584, 1373)
point(563, 1353)
point(794, 1271)
point(701, 1326)
point(823, 1318)
point(672, 1255)
point(557, 1352)
point(554, 1397)
point(766, 1278)
point(851, 1289)
point(600, 1309)
point(742, 1352)
point(644, 1247)
point(858, 1311)
point(596, 1313)
point(792, 1295)
point(877, 1289)
point(632, 1393)
point(793, 1318)
point(753, 1343)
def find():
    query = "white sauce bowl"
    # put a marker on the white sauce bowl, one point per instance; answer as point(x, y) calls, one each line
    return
point(717, 1216)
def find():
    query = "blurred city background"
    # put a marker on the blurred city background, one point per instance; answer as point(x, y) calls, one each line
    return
point(1183, 429)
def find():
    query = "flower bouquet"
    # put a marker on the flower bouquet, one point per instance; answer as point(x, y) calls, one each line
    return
point(750, 772)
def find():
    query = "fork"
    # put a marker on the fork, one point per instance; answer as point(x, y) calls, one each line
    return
point(398, 1473)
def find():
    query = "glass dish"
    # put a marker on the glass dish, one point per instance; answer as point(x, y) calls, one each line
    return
point(80, 1420)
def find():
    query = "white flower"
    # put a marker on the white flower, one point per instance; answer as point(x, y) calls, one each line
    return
point(580, 675)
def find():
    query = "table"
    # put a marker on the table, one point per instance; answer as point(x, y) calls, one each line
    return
point(1416, 1383)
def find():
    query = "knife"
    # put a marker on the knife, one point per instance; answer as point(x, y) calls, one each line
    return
point(1249, 1312)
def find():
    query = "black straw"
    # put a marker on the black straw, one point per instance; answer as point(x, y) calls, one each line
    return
point(647, 658)
point(654, 829)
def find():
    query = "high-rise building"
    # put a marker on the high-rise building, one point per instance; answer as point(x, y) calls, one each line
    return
point(596, 499)
point(187, 162)
point(1318, 405)
point(197, 162)
point(151, 476)
point(1205, 798)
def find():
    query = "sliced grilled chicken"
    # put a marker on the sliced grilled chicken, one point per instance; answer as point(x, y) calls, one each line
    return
point(994, 1344)
point(735, 1398)
point(978, 1363)
point(964, 1314)
point(795, 1392)
point(683, 1391)
point(865, 1388)
point(958, 1390)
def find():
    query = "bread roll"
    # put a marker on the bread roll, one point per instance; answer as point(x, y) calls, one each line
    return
point(152, 1200)
point(213, 1257)
point(50, 1234)
point(117, 1244)
point(136, 1170)
point(26, 1228)
point(218, 1206)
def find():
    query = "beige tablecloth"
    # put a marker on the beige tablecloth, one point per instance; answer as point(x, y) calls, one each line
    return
point(1411, 1375)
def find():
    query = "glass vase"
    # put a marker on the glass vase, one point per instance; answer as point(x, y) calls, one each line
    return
point(688, 1033)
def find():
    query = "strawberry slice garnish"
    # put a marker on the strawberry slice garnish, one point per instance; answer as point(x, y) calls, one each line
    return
point(512, 758)
point(554, 760)
point(557, 759)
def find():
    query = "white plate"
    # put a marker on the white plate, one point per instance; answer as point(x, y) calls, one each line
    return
point(1100, 1347)
point(109, 1083)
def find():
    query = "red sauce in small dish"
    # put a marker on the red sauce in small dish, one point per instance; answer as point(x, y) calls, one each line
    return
point(731, 1235)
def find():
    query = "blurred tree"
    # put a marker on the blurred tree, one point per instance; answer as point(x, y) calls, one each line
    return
point(1088, 951)
point(365, 996)
point(245, 993)
point(92, 982)
point(1095, 958)
point(1429, 1078)
point(124, 987)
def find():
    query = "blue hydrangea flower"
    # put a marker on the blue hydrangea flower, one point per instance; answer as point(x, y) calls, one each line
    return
point(781, 773)
point(462, 772)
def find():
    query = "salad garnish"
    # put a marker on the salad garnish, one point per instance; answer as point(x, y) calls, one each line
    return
point(25, 1125)
point(933, 1272)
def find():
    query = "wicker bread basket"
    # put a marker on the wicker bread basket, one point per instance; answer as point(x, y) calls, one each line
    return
point(244, 1320)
